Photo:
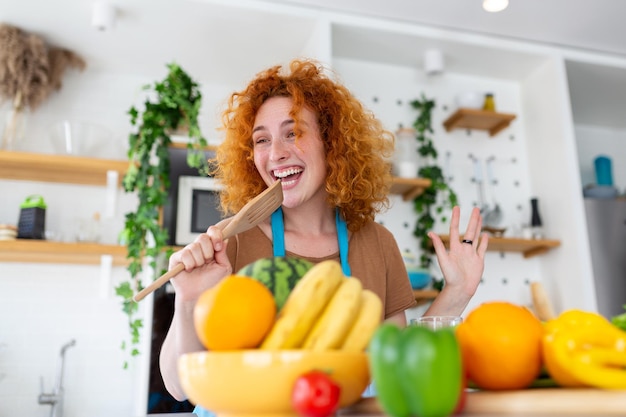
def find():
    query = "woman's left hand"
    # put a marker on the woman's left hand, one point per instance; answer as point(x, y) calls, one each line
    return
point(463, 264)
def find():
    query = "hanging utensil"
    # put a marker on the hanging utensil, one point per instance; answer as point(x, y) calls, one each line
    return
point(494, 216)
point(253, 213)
point(478, 177)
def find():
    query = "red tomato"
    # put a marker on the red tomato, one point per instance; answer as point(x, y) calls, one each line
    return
point(315, 394)
point(460, 406)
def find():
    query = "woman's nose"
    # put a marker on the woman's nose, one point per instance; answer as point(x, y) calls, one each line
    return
point(279, 150)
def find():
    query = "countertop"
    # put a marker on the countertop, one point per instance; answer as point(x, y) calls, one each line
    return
point(535, 402)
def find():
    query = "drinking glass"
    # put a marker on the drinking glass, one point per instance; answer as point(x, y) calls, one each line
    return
point(437, 322)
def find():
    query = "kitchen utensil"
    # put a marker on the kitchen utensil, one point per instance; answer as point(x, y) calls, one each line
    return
point(259, 382)
point(536, 401)
point(494, 216)
point(253, 213)
point(478, 177)
point(541, 302)
point(32, 221)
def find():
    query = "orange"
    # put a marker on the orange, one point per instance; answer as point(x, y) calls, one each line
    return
point(501, 346)
point(237, 313)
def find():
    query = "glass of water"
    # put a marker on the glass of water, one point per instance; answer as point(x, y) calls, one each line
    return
point(437, 322)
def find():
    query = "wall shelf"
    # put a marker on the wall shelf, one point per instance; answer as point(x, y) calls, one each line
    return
point(490, 121)
point(409, 188)
point(58, 168)
point(528, 247)
point(43, 251)
point(425, 296)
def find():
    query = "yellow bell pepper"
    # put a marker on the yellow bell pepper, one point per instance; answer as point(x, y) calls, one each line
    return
point(583, 349)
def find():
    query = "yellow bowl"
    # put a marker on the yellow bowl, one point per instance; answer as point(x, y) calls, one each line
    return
point(259, 382)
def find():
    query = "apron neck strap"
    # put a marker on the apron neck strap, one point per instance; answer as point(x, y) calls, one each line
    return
point(278, 238)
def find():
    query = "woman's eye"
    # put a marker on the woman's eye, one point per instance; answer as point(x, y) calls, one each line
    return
point(260, 140)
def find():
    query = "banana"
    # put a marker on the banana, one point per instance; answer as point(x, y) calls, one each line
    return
point(366, 323)
point(331, 328)
point(305, 303)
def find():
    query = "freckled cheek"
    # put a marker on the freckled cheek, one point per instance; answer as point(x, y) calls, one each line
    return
point(260, 159)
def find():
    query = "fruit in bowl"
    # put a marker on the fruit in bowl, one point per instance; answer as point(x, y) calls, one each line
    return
point(257, 381)
point(257, 355)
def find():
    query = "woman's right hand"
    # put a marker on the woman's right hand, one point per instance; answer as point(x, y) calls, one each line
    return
point(205, 261)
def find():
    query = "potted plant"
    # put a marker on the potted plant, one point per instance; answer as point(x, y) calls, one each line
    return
point(175, 105)
point(434, 201)
point(30, 70)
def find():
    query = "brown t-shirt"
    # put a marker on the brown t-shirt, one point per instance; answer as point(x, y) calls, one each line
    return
point(373, 256)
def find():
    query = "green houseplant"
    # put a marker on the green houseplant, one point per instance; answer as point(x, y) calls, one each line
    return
point(174, 104)
point(432, 203)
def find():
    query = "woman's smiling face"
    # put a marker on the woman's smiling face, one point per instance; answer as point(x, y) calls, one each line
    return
point(278, 155)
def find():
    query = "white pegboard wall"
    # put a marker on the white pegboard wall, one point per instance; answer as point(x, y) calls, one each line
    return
point(507, 275)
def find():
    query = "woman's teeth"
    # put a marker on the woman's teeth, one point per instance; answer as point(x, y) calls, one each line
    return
point(283, 174)
point(287, 172)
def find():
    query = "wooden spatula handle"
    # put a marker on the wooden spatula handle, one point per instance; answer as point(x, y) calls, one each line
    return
point(158, 283)
point(227, 231)
point(541, 302)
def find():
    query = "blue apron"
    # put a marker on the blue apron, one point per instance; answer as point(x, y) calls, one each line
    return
point(278, 238)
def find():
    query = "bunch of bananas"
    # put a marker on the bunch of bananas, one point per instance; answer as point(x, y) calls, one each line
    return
point(326, 310)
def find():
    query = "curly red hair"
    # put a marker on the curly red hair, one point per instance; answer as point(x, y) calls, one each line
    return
point(355, 142)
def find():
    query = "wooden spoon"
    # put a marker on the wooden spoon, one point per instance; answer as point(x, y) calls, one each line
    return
point(541, 302)
point(253, 213)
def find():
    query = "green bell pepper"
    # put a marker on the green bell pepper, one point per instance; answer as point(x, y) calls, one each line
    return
point(417, 372)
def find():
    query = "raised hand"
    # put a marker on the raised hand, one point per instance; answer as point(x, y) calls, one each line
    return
point(462, 265)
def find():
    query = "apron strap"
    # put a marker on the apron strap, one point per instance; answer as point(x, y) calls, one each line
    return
point(342, 237)
point(278, 238)
point(278, 232)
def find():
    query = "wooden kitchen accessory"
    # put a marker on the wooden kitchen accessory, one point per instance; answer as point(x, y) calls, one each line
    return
point(541, 302)
point(527, 402)
point(253, 213)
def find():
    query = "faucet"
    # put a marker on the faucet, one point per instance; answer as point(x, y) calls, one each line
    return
point(55, 398)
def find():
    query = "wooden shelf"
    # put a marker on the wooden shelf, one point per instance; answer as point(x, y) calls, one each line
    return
point(528, 247)
point(58, 168)
point(490, 121)
point(43, 251)
point(93, 171)
point(425, 296)
point(409, 188)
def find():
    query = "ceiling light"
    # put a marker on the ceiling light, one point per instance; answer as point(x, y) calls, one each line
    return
point(495, 5)
point(103, 15)
point(433, 62)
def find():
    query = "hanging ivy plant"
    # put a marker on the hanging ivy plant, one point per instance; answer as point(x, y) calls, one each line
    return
point(175, 105)
point(433, 202)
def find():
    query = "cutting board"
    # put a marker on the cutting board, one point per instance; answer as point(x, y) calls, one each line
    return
point(559, 401)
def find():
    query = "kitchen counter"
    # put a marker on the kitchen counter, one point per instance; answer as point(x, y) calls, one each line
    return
point(537, 402)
